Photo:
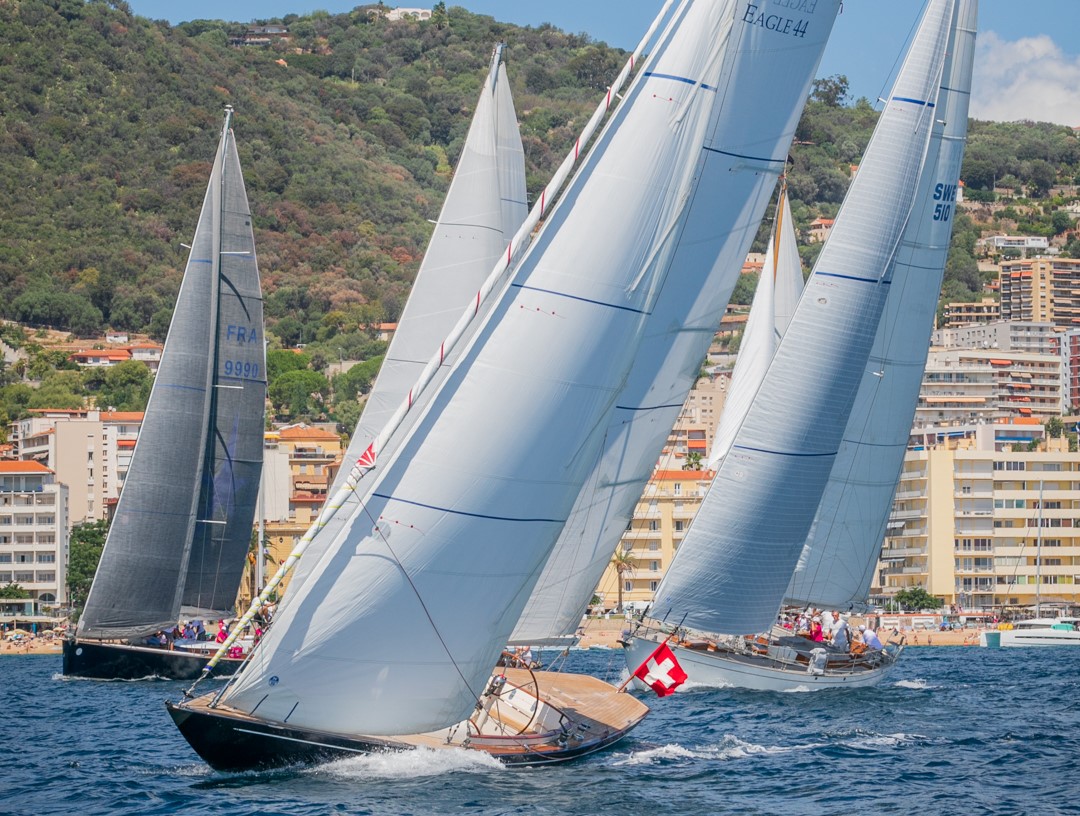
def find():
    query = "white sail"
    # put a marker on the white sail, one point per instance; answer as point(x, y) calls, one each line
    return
point(679, 329)
point(775, 297)
point(837, 565)
point(484, 206)
point(733, 567)
point(399, 624)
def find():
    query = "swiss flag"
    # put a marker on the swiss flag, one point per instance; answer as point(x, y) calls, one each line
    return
point(661, 671)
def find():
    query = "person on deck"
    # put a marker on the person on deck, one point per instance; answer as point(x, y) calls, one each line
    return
point(869, 637)
point(222, 632)
point(841, 639)
point(816, 633)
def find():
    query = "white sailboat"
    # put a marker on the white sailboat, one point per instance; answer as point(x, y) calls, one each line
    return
point(390, 639)
point(813, 466)
point(180, 537)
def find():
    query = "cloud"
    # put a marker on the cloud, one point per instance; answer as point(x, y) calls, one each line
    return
point(1030, 78)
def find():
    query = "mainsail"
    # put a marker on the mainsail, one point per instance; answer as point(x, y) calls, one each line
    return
point(837, 565)
point(183, 523)
point(684, 320)
point(398, 625)
point(733, 567)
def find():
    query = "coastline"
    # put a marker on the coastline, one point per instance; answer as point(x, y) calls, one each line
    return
point(597, 632)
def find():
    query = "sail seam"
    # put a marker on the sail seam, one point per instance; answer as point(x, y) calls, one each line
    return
point(855, 278)
point(582, 299)
point(687, 80)
point(742, 155)
point(780, 452)
point(451, 511)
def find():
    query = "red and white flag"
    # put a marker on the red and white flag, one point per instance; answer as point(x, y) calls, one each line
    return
point(661, 671)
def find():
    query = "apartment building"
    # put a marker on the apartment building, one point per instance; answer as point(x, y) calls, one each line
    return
point(1069, 349)
point(1005, 335)
point(88, 450)
point(660, 521)
point(964, 314)
point(984, 528)
point(33, 532)
point(966, 386)
point(1042, 290)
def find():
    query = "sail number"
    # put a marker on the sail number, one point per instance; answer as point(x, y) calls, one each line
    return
point(945, 194)
point(240, 368)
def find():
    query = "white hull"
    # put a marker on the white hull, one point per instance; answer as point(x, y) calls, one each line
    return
point(778, 671)
point(1030, 637)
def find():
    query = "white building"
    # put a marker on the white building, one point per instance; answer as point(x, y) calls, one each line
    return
point(33, 531)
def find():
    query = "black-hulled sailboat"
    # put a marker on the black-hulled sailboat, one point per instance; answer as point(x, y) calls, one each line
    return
point(179, 540)
point(421, 564)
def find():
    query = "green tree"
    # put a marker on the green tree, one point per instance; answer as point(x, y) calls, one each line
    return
point(917, 598)
point(298, 394)
point(125, 387)
point(13, 591)
point(86, 543)
point(624, 564)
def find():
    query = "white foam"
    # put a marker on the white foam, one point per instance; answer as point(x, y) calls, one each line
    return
point(730, 747)
point(410, 764)
point(918, 684)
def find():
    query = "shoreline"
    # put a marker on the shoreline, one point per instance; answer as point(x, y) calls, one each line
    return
point(598, 632)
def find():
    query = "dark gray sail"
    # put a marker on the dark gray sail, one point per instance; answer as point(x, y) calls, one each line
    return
point(188, 431)
point(230, 476)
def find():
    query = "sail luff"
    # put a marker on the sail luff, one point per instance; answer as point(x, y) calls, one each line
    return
point(733, 567)
point(413, 603)
point(136, 588)
point(837, 565)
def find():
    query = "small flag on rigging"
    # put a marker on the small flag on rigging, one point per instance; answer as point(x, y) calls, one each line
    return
point(661, 671)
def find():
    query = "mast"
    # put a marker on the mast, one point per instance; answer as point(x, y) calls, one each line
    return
point(1038, 554)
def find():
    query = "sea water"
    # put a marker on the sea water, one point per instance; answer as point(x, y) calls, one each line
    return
point(954, 730)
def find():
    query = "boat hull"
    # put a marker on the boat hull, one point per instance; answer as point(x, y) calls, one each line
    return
point(119, 661)
point(761, 672)
point(231, 740)
point(1038, 637)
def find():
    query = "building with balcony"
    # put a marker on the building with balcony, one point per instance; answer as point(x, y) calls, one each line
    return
point(985, 529)
point(1042, 290)
point(33, 532)
point(299, 465)
point(964, 314)
point(1005, 335)
point(973, 386)
point(88, 450)
point(659, 523)
point(1069, 350)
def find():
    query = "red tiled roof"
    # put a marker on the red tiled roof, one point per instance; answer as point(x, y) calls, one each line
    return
point(21, 466)
point(122, 416)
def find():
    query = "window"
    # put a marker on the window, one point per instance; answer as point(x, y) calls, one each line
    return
point(679, 526)
point(654, 525)
point(653, 585)
point(655, 565)
point(628, 587)
point(653, 545)
point(46, 558)
point(678, 488)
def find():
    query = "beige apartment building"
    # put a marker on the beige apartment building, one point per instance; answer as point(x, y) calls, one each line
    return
point(88, 450)
point(33, 532)
point(659, 523)
point(965, 314)
point(1042, 290)
point(964, 386)
point(985, 529)
point(299, 465)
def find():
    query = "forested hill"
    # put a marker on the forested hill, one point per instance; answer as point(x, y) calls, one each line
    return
point(347, 132)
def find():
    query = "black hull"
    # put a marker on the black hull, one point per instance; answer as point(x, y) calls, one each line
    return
point(231, 742)
point(117, 661)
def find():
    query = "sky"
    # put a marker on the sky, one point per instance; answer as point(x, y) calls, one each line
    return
point(1027, 63)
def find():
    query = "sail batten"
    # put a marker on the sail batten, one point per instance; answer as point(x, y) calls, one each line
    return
point(732, 568)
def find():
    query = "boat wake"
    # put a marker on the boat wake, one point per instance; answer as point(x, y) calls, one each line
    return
point(410, 764)
point(730, 747)
point(918, 684)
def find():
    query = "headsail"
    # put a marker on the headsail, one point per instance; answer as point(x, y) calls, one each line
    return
point(838, 561)
point(186, 430)
point(775, 298)
point(734, 193)
point(733, 567)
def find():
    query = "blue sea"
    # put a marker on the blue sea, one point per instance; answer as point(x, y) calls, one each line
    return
point(954, 730)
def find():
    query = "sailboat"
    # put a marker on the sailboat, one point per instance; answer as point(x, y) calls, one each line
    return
point(179, 540)
point(799, 504)
point(391, 638)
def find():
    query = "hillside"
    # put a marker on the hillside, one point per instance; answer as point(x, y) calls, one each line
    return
point(347, 128)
